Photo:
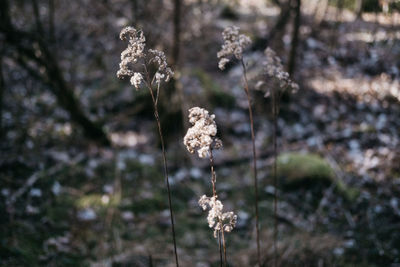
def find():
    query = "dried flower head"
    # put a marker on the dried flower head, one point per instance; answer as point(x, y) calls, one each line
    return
point(163, 70)
point(234, 44)
point(136, 80)
point(136, 51)
point(218, 220)
point(133, 52)
point(274, 69)
point(201, 136)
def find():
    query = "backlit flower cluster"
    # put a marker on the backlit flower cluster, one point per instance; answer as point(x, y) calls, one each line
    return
point(274, 69)
point(163, 72)
point(201, 136)
point(234, 44)
point(136, 51)
point(218, 220)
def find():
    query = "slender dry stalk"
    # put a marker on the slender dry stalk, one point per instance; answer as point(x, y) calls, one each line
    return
point(223, 244)
point(275, 176)
point(135, 55)
point(280, 83)
point(202, 137)
point(276, 97)
point(157, 117)
point(246, 89)
point(221, 232)
point(220, 249)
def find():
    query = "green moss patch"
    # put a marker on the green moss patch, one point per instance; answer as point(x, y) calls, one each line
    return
point(295, 169)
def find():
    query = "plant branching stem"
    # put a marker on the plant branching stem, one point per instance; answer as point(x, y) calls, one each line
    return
point(246, 89)
point(156, 116)
point(221, 231)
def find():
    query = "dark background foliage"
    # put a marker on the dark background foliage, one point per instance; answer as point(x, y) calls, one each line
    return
point(80, 164)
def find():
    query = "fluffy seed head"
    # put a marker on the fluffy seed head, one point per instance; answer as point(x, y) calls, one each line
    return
point(201, 136)
point(274, 69)
point(136, 80)
point(163, 71)
point(136, 51)
point(234, 44)
point(133, 52)
point(217, 220)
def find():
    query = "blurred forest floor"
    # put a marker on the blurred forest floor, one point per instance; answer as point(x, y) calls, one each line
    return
point(66, 201)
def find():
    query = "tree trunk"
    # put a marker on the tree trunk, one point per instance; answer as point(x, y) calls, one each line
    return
point(2, 89)
point(262, 43)
point(339, 10)
point(358, 8)
point(321, 10)
point(295, 37)
point(53, 74)
point(177, 32)
point(52, 33)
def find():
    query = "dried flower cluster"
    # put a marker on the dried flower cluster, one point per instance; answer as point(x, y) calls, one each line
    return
point(201, 136)
point(136, 79)
point(274, 69)
point(131, 54)
point(163, 72)
point(218, 220)
point(234, 44)
point(136, 51)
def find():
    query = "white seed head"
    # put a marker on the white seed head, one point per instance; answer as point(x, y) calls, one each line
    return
point(234, 44)
point(221, 64)
point(217, 220)
point(136, 80)
point(133, 52)
point(201, 136)
point(274, 69)
point(163, 71)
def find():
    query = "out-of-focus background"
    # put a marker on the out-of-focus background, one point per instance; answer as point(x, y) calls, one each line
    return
point(80, 165)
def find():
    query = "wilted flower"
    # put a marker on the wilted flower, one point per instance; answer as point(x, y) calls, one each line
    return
point(133, 52)
point(217, 220)
point(201, 135)
point(234, 44)
point(161, 60)
point(274, 69)
point(136, 51)
point(222, 63)
point(136, 79)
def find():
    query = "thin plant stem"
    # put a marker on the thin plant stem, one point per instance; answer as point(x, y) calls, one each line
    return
point(220, 248)
point(246, 89)
point(276, 97)
point(213, 176)
point(156, 116)
point(223, 244)
point(275, 178)
point(221, 232)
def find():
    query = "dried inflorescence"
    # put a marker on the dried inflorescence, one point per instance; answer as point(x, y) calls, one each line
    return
point(163, 72)
point(274, 69)
point(135, 52)
point(234, 44)
point(201, 136)
point(218, 220)
point(136, 79)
